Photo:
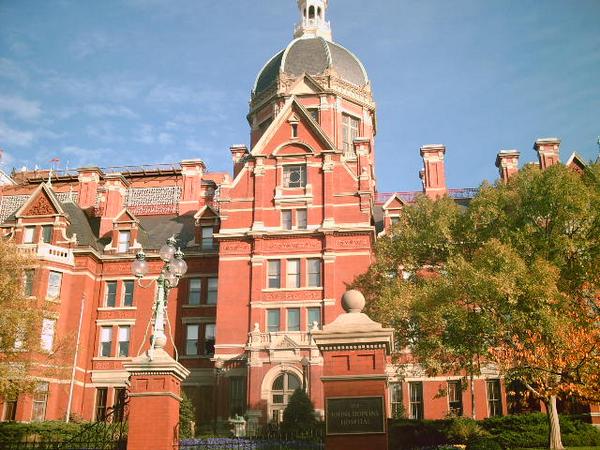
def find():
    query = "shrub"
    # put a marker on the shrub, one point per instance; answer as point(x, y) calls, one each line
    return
point(39, 431)
point(299, 415)
point(187, 415)
point(462, 430)
point(484, 443)
point(407, 434)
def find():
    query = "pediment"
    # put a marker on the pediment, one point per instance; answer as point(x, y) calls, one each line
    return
point(306, 85)
point(294, 149)
point(576, 163)
point(394, 202)
point(205, 213)
point(42, 202)
point(287, 343)
point(126, 216)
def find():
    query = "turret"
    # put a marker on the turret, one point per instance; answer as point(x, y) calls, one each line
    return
point(312, 20)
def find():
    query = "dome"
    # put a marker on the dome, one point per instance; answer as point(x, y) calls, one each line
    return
point(313, 55)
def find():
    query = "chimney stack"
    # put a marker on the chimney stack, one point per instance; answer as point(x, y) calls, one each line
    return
point(89, 178)
point(433, 173)
point(548, 150)
point(112, 201)
point(507, 163)
point(237, 154)
point(192, 171)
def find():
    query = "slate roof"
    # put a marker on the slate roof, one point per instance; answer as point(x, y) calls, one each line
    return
point(312, 56)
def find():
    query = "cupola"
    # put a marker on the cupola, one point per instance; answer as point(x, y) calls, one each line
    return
point(312, 20)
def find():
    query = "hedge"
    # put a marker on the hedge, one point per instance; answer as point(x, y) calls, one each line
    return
point(50, 431)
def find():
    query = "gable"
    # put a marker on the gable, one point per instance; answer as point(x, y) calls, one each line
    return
point(305, 85)
point(125, 217)
point(206, 213)
point(293, 149)
point(41, 203)
point(394, 202)
point(576, 163)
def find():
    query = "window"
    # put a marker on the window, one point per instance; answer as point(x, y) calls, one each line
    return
point(128, 287)
point(211, 291)
point(111, 294)
point(124, 336)
point(301, 219)
point(191, 339)
point(28, 235)
point(281, 392)
point(314, 317)
point(207, 238)
point(272, 320)
point(119, 404)
point(286, 219)
point(274, 275)
point(40, 400)
point(237, 396)
point(28, 282)
point(293, 273)
point(264, 125)
point(209, 339)
point(394, 220)
point(194, 291)
point(416, 400)
point(455, 398)
point(54, 282)
point(294, 176)
point(10, 408)
point(314, 113)
point(349, 133)
point(293, 319)
point(294, 130)
point(494, 398)
point(396, 400)
point(101, 401)
point(47, 234)
point(105, 341)
point(47, 339)
point(124, 237)
point(314, 272)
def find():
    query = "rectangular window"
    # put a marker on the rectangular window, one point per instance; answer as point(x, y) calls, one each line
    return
point(294, 176)
point(40, 400)
point(494, 398)
point(124, 238)
point(54, 282)
point(314, 317)
point(191, 339)
point(396, 400)
point(194, 291)
point(10, 409)
point(272, 320)
point(314, 272)
point(301, 221)
point(47, 234)
point(274, 281)
point(294, 130)
point(293, 319)
point(28, 235)
point(209, 339)
point(394, 220)
point(314, 113)
point(101, 401)
point(349, 133)
point(128, 287)
point(47, 339)
point(237, 396)
point(28, 282)
point(455, 398)
point(124, 337)
point(293, 273)
point(207, 238)
point(105, 341)
point(119, 404)
point(211, 291)
point(286, 219)
point(416, 400)
point(111, 294)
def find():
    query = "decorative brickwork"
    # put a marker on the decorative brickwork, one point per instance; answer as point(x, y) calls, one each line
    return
point(9, 204)
point(153, 201)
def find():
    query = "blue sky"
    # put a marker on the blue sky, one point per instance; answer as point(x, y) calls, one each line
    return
point(119, 82)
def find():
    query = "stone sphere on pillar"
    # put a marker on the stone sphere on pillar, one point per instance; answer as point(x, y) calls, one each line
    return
point(353, 301)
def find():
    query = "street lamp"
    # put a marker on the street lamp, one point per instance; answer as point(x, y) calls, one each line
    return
point(219, 363)
point(174, 268)
point(305, 366)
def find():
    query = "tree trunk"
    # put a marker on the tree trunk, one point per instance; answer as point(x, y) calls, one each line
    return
point(554, 438)
point(472, 388)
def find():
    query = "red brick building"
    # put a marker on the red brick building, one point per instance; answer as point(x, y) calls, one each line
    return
point(271, 249)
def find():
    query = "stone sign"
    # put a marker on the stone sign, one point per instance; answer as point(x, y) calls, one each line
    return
point(355, 415)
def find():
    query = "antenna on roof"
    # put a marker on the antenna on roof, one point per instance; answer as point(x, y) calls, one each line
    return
point(55, 162)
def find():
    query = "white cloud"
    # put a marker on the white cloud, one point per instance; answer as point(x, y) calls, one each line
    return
point(11, 136)
point(101, 110)
point(80, 156)
point(24, 109)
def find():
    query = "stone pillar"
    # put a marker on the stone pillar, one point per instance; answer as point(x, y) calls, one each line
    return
point(154, 397)
point(507, 162)
point(355, 351)
point(433, 173)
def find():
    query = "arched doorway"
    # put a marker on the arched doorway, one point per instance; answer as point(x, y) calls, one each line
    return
point(282, 389)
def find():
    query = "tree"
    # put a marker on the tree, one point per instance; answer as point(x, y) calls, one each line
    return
point(511, 280)
point(299, 415)
point(187, 417)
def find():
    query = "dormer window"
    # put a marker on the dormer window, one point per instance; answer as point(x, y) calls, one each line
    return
point(47, 234)
point(207, 238)
point(28, 235)
point(124, 239)
point(294, 176)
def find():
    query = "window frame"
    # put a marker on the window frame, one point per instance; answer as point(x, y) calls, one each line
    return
point(45, 238)
point(396, 399)
point(286, 219)
point(110, 296)
point(103, 345)
point(309, 323)
point(122, 245)
point(28, 282)
point(293, 279)
point(349, 133)
point(40, 401)
point(212, 291)
point(274, 276)
point(302, 219)
point(126, 295)
point(192, 341)
point(47, 335)
point(288, 171)
point(271, 326)
point(101, 404)
point(28, 235)
point(123, 343)
point(194, 291)
point(207, 242)
point(455, 403)
point(311, 273)
point(294, 327)
point(416, 407)
point(52, 286)
point(494, 402)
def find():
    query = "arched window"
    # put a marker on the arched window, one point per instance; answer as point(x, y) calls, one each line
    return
point(311, 12)
point(319, 12)
point(305, 14)
point(281, 392)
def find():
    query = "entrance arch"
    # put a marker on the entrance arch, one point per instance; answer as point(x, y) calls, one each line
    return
point(277, 388)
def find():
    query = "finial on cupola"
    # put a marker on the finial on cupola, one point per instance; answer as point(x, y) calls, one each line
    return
point(312, 20)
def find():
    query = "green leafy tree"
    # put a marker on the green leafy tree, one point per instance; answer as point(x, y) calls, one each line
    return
point(299, 415)
point(511, 279)
point(187, 416)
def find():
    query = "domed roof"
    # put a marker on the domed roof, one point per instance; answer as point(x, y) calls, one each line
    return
point(313, 56)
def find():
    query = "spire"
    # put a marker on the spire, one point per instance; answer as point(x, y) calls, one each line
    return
point(312, 20)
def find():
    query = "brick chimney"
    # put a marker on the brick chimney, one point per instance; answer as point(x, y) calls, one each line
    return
point(548, 150)
point(192, 171)
point(89, 178)
point(237, 153)
point(112, 201)
point(433, 173)
point(507, 162)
